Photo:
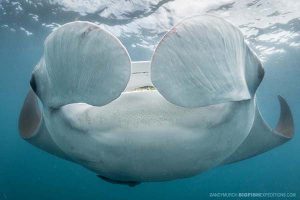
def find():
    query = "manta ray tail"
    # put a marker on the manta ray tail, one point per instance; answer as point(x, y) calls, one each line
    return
point(129, 183)
point(262, 138)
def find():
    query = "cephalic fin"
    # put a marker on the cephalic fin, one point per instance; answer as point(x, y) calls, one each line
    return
point(204, 60)
point(82, 63)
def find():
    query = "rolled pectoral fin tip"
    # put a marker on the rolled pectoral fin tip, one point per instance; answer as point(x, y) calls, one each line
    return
point(285, 125)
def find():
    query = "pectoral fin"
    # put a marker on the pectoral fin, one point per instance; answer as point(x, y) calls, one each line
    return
point(262, 138)
point(32, 127)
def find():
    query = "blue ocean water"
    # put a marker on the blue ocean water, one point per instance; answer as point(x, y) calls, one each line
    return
point(272, 28)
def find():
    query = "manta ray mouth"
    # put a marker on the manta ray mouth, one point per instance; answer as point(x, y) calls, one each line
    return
point(142, 89)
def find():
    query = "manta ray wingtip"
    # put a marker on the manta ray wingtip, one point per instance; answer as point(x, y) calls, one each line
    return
point(285, 125)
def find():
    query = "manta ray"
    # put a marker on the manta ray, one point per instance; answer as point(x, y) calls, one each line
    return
point(191, 108)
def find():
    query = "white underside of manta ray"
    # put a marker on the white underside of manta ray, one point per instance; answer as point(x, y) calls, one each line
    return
point(189, 109)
